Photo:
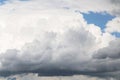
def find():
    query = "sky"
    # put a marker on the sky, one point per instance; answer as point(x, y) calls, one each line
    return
point(99, 19)
point(59, 40)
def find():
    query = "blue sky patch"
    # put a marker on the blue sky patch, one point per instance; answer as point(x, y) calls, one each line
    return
point(99, 19)
point(2, 2)
point(117, 34)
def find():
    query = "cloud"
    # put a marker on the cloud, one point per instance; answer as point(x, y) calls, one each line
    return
point(109, 58)
point(116, 10)
point(48, 55)
point(25, 27)
point(46, 38)
point(113, 25)
point(57, 54)
point(112, 51)
point(36, 77)
point(95, 6)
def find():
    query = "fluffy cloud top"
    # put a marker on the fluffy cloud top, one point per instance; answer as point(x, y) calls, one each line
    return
point(113, 26)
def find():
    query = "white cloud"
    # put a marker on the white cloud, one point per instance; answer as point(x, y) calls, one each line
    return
point(113, 25)
point(95, 6)
point(17, 29)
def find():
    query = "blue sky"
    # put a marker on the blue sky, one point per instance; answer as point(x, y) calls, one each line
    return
point(116, 34)
point(98, 19)
point(2, 1)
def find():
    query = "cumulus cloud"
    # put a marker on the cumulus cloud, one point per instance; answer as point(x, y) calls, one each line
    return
point(56, 54)
point(51, 39)
point(112, 51)
point(109, 58)
point(51, 53)
point(113, 25)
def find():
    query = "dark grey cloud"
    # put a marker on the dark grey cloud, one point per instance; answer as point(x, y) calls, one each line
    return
point(112, 51)
point(116, 5)
point(107, 59)
point(116, 1)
